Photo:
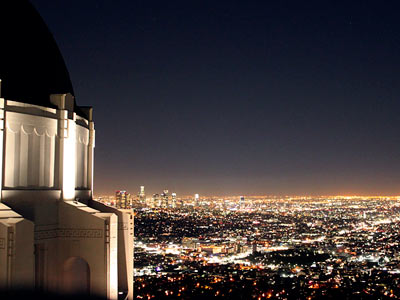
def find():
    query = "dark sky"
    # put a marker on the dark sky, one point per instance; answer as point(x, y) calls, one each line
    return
point(237, 97)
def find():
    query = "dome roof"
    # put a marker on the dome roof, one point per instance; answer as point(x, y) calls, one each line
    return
point(31, 65)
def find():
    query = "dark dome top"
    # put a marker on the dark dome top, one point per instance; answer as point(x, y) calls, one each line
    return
point(31, 65)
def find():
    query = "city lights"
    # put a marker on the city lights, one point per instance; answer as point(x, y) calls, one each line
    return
point(276, 247)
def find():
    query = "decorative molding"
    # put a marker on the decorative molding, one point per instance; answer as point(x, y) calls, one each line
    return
point(123, 226)
point(16, 127)
point(45, 234)
point(69, 233)
point(30, 152)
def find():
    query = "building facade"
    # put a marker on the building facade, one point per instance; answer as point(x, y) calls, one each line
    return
point(53, 236)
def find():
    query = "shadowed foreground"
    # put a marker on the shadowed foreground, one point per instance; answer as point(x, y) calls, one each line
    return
point(27, 294)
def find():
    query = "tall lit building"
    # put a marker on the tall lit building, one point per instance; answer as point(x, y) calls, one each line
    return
point(142, 195)
point(173, 200)
point(165, 199)
point(53, 236)
point(197, 200)
point(123, 200)
point(156, 200)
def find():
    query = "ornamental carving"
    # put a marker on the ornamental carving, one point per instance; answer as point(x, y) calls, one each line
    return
point(69, 233)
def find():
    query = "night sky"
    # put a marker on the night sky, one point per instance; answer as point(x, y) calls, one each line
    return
point(237, 97)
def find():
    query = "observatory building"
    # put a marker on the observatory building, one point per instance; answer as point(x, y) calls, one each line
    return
point(53, 236)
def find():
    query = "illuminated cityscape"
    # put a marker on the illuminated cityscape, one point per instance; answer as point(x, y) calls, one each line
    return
point(264, 247)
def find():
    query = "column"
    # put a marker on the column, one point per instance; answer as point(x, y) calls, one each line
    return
point(66, 133)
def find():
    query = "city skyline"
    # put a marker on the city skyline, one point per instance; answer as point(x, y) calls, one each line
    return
point(203, 196)
point(244, 97)
point(149, 194)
